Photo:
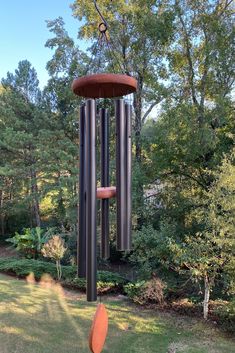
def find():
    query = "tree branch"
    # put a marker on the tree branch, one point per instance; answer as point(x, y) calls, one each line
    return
point(226, 5)
point(149, 111)
point(180, 173)
point(191, 73)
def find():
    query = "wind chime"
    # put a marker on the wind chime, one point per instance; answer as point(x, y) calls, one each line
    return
point(92, 87)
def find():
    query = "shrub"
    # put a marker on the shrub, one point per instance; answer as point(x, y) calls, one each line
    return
point(30, 242)
point(226, 315)
point(133, 290)
point(75, 283)
point(106, 276)
point(55, 249)
point(106, 281)
point(23, 267)
point(145, 292)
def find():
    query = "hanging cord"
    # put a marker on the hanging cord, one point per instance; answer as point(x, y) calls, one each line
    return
point(94, 53)
point(102, 41)
point(110, 47)
point(101, 16)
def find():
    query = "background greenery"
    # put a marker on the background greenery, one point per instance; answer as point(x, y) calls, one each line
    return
point(182, 55)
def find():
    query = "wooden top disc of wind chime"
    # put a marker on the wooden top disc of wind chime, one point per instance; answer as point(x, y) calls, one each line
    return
point(104, 85)
point(99, 329)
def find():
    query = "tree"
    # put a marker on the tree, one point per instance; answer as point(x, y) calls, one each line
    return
point(67, 63)
point(184, 147)
point(211, 252)
point(21, 118)
point(206, 255)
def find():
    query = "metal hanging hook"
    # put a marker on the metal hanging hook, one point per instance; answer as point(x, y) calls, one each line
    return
point(102, 26)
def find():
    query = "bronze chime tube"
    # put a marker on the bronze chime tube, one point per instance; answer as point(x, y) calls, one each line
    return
point(82, 197)
point(127, 244)
point(120, 173)
point(104, 160)
point(91, 207)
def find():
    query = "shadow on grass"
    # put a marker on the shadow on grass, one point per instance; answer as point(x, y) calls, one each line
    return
point(39, 318)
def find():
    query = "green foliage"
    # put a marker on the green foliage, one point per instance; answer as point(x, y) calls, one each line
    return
point(144, 256)
point(226, 315)
point(106, 276)
point(107, 282)
point(182, 55)
point(145, 292)
point(211, 251)
point(39, 148)
point(133, 290)
point(153, 248)
point(30, 242)
point(23, 267)
point(76, 283)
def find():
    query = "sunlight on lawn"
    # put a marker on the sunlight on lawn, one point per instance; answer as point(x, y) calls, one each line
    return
point(41, 317)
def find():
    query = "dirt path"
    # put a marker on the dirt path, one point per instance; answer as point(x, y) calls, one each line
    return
point(6, 251)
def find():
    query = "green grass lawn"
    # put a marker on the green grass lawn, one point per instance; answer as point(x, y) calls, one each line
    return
point(35, 319)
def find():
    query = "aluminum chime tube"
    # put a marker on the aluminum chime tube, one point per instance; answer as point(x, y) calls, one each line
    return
point(91, 206)
point(104, 160)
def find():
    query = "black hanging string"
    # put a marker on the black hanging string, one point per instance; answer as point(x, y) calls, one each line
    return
point(104, 40)
point(110, 46)
point(91, 59)
point(102, 17)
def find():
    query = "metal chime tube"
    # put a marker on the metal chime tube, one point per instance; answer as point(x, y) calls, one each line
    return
point(82, 197)
point(91, 207)
point(104, 143)
point(127, 244)
point(120, 173)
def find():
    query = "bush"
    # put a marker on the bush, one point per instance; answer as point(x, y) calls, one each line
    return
point(55, 249)
point(31, 241)
point(145, 292)
point(153, 249)
point(145, 256)
point(75, 283)
point(106, 276)
point(107, 282)
point(133, 290)
point(226, 315)
point(23, 267)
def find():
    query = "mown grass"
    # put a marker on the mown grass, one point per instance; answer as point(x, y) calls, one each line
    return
point(38, 318)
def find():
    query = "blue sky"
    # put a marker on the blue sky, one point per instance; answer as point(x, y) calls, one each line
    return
point(23, 32)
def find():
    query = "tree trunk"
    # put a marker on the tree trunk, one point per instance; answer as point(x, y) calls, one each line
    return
point(2, 228)
point(206, 297)
point(58, 267)
point(137, 103)
point(34, 190)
